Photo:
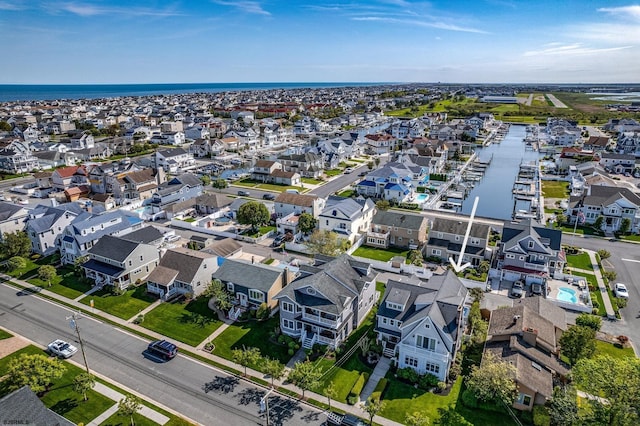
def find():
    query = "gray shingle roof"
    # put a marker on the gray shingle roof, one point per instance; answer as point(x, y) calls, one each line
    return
point(399, 219)
point(146, 235)
point(242, 273)
point(114, 248)
point(101, 225)
point(25, 407)
point(49, 215)
point(185, 261)
point(459, 227)
point(7, 210)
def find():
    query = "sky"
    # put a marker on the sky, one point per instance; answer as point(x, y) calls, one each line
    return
point(223, 41)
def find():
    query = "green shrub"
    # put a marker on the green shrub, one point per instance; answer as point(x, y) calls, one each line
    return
point(352, 400)
point(291, 351)
point(382, 384)
point(541, 416)
point(469, 399)
point(591, 321)
point(356, 390)
point(282, 339)
point(263, 311)
point(428, 381)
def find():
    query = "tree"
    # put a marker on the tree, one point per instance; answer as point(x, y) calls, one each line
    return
point(324, 242)
point(598, 222)
point(578, 342)
point(216, 291)
point(16, 262)
point(82, 383)
point(415, 257)
point(372, 407)
point(588, 320)
point(128, 406)
point(625, 225)
point(4, 126)
point(493, 381)
point(561, 218)
point(617, 382)
point(274, 368)
point(253, 213)
point(450, 417)
point(604, 254)
point(305, 375)
point(383, 205)
point(15, 244)
point(417, 418)
point(246, 356)
point(220, 184)
point(563, 407)
point(307, 223)
point(77, 264)
point(47, 273)
point(206, 180)
point(37, 371)
point(483, 267)
point(331, 392)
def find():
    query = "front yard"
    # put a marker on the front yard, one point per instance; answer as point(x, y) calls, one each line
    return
point(250, 183)
point(333, 172)
point(188, 323)
point(67, 283)
point(32, 265)
point(124, 306)
point(343, 377)
point(605, 348)
point(580, 261)
point(311, 181)
point(555, 189)
point(383, 255)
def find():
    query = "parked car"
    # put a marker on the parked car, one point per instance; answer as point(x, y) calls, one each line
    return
point(348, 170)
point(536, 288)
point(279, 239)
point(620, 290)
point(363, 174)
point(166, 350)
point(269, 197)
point(61, 349)
point(243, 193)
point(517, 290)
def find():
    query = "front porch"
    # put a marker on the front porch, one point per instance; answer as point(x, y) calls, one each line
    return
point(103, 274)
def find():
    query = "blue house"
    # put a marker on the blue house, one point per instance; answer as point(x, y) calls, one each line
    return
point(394, 181)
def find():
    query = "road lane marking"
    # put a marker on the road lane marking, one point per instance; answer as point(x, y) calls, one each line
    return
point(630, 260)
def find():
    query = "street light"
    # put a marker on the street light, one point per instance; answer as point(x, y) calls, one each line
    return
point(73, 323)
point(264, 405)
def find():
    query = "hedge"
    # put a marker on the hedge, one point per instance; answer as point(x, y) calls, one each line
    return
point(377, 392)
point(356, 390)
point(541, 416)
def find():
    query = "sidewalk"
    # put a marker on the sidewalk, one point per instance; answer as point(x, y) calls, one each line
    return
point(611, 314)
point(353, 409)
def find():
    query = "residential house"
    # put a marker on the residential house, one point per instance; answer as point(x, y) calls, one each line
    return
point(138, 185)
point(398, 229)
point(45, 225)
point(420, 323)
point(527, 336)
point(307, 165)
point(252, 284)
point(151, 235)
point(169, 138)
point(185, 187)
point(212, 203)
point(394, 181)
point(348, 217)
point(597, 143)
point(618, 163)
point(380, 143)
point(182, 271)
point(287, 203)
point(611, 202)
point(67, 177)
point(529, 252)
point(53, 159)
point(12, 218)
point(15, 160)
point(447, 235)
point(23, 406)
point(629, 143)
point(119, 262)
point(174, 160)
point(263, 169)
point(82, 140)
point(280, 177)
point(85, 231)
point(328, 300)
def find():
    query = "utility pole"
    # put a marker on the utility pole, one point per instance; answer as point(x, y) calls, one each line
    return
point(264, 404)
point(73, 323)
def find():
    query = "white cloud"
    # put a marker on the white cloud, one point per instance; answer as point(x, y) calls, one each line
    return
point(88, 10)
point(415, 22)
point(245, 6)
point(575, 49)
point(14, 6)
point(627, 12)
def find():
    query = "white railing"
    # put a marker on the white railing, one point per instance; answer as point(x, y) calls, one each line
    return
point(424, 353)
point(326, 340)
point(536, 266)
point(319, 319)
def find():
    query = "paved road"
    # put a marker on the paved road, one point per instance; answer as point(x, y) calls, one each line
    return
point(198, 391)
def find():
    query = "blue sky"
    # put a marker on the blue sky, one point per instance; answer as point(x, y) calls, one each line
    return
point(493, 41)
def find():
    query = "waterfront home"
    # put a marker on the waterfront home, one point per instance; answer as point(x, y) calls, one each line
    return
point(446, 237)
point(611, 202)
point(182, 271)
point(212, 203)
point(527, 336)
point(174, 160)
point(263, 169)
point(394, 181)
point(419, 323)
point(328, 300)
point(287, 203)
point(119, 262)
point(45, 225)
point(348, 217)
point(179, 189)
point(307, 164)
point(397, 229)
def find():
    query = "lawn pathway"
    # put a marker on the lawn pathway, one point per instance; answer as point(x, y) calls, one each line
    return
point(601, 285)
point(87, 293)
point(379, 372)
point(145, 310)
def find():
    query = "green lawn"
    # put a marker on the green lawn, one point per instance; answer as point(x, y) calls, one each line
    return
point(580, 261)
point(630, 237)
point(343, 377)
point(311, 181)
point(250, 183)
point(61, 398)
point(605, 348)
point(188, 323)
point(261, 231)
point(251, 334)
point(119, 420)
point(581, 230)
point(555, 189)
point(31, 268)
point(124, 306)
point(67, 283)
point(5, 335)
point(333, 172)
point(383, 255)
point(346, 193)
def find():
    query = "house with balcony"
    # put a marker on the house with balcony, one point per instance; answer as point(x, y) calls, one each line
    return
point(252, 284)
point(15, 160)
point(394, 181)
point(307, 165)
point(263, 169)
point(174, 160)
point(138, 185)
point(12, 218)
point(84, 232)
point(119, 262)
point(529, 252)
point(182, 271)
point(67, 177)
point(527, 336)
point(348, 217)
point(287, 203)
point(447, 235)
point(629, 143)
point(419, 323)
point(611, 202)
point(380, 143)
point(618, 163)
point(397, 229)
point(180, 189)
point(328, 300)
point(45, 225)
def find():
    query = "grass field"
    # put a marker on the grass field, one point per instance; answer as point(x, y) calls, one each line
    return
point(5, 335)
point(555, 189)
point(66, 283)
point(580, 261)
point(606, 348)
point(343, 377)
point(124, 306)
point(31, 267)
point(383, 255)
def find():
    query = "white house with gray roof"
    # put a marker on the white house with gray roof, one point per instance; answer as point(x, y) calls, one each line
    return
point(174, 160)
point(419, 323)
point(182, 271)
point(84, 232)
point(119, 262)
point(348, 217)
point(446, 237)
point(328, 300)
point(12, 218)
point(394, 181)
point(611, 202)
point(45, 225)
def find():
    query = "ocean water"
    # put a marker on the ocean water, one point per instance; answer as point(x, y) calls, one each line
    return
point(41, 92)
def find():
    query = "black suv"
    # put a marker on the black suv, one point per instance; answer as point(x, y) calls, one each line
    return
point(163, 348)
point(269, 197)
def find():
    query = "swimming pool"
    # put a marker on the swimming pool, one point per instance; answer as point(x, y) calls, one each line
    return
point(567, 295)
point(421, 198)
point(222, 220)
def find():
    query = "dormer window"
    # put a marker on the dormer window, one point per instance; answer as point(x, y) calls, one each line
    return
point(530, 244)
point(311, 290)
point(334, 213)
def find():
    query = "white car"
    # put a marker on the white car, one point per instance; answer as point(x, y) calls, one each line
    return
point(620, 290)
point(61, 349)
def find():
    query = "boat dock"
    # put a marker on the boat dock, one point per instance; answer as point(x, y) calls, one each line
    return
point(527, 192)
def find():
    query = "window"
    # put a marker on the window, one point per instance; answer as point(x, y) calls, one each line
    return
point(438, 234)
point(384, 320)
point(288, 324)
point(530, 244)
point(510, 256)
point(436, 252)
point(392, 322)
point(230, 287)
point(432, 368)
point(408, 231)
point(287, 307)
point(426, 343)
point(412, 362)
point(256, 295)
point(140, 258)
point(524, 399)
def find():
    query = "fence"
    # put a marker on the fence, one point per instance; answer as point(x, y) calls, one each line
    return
point(193, 227)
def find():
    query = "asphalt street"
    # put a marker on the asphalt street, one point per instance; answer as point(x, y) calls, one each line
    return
point(198, 391)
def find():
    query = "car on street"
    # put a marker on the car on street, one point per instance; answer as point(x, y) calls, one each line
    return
point(517, 290)
point(243, 193)
point(620, 290)
point(164, 349)
point(269, 197)
point(348, 170)
point(279, 239)
point(536, 288)
point(362, 174)
point(61, 349)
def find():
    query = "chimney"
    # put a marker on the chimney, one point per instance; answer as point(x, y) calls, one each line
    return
point(285, 277)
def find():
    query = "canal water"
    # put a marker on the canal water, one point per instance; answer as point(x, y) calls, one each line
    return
point(494, 190)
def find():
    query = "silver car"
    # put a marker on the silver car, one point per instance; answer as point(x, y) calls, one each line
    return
point(61, 349)
point(518, 289)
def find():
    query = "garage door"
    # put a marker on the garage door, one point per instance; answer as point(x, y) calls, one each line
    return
point(511, 276)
